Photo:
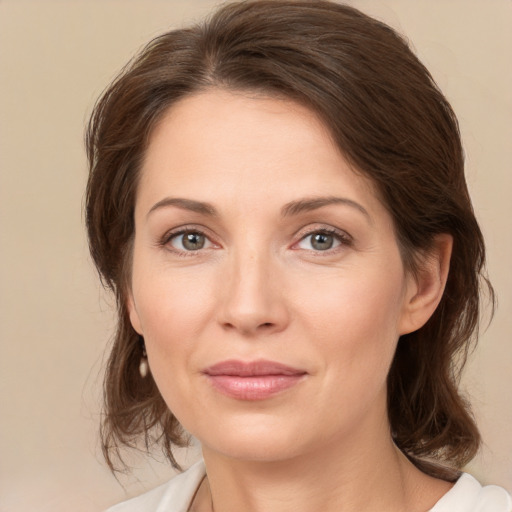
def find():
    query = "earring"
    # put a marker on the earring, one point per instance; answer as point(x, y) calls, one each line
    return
point(143, 365)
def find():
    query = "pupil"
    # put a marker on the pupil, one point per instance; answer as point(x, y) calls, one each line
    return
point(193, 241)
point(322, 242)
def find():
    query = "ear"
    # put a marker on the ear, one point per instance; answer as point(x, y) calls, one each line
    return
point(425, 288)
point(134, 315)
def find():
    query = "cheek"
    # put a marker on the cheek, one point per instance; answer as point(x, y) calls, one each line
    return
point(354, 328)
point(170, 302)
point(353, 300)
point(172, 314)
point(173, 308)
point(355, 321)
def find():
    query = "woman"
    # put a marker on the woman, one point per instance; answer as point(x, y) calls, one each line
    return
point(277, 199)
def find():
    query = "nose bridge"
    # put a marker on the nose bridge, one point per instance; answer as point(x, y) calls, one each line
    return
point(252, 300)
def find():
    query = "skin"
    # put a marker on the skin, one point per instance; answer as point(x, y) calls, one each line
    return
point(259, 288)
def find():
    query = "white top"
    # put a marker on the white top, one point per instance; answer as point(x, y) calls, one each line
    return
point(467, 495)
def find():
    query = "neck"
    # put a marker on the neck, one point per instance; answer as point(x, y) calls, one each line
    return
point(338, 477)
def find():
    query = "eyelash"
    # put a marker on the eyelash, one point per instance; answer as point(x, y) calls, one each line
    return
point(344, 239)
point(170, 235)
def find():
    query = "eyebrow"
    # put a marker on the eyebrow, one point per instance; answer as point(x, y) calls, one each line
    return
point(185, 204)
point(289, 209)
point(314, 203)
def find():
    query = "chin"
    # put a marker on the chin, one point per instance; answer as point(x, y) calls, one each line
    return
point(257, 450)
point(258, 439)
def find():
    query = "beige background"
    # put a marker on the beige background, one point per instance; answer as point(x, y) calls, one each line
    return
point(55, 322)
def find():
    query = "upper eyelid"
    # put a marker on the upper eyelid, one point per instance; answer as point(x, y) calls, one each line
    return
point(187, 228)
point(307, 231)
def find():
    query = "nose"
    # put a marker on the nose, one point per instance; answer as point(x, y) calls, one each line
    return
point(253, 297)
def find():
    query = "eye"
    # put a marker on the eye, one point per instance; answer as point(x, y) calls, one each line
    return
point(189, 241)
point(322, 241)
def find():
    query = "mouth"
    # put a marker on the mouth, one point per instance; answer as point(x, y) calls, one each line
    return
point(256, 380)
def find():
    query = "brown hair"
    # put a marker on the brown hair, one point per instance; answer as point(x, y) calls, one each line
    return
point(389, 119)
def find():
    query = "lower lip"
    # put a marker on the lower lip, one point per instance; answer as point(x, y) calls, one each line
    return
point(253, 388)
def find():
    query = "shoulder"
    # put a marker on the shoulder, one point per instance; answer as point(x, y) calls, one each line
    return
point(467, 495)
point(174, 495)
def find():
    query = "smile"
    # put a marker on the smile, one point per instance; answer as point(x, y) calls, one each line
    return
point(257, 380)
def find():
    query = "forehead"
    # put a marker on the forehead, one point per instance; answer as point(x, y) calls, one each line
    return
point(220, 142)
point(243, 120)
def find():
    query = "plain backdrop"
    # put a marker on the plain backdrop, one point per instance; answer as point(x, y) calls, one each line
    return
point(56, 322)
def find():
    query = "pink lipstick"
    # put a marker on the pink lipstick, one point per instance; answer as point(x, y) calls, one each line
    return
point(256, 380)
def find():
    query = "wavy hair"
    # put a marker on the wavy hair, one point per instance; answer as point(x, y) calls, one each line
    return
point(388, 118)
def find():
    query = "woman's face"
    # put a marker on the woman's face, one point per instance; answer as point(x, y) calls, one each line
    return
point(267, 281)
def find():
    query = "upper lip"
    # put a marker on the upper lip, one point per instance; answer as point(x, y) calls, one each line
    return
point(251, 369)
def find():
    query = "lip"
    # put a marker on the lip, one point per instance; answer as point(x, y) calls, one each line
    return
point(254, 380)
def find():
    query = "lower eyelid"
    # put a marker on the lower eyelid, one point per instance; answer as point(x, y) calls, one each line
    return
point(338, 241)
point(177, 237)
